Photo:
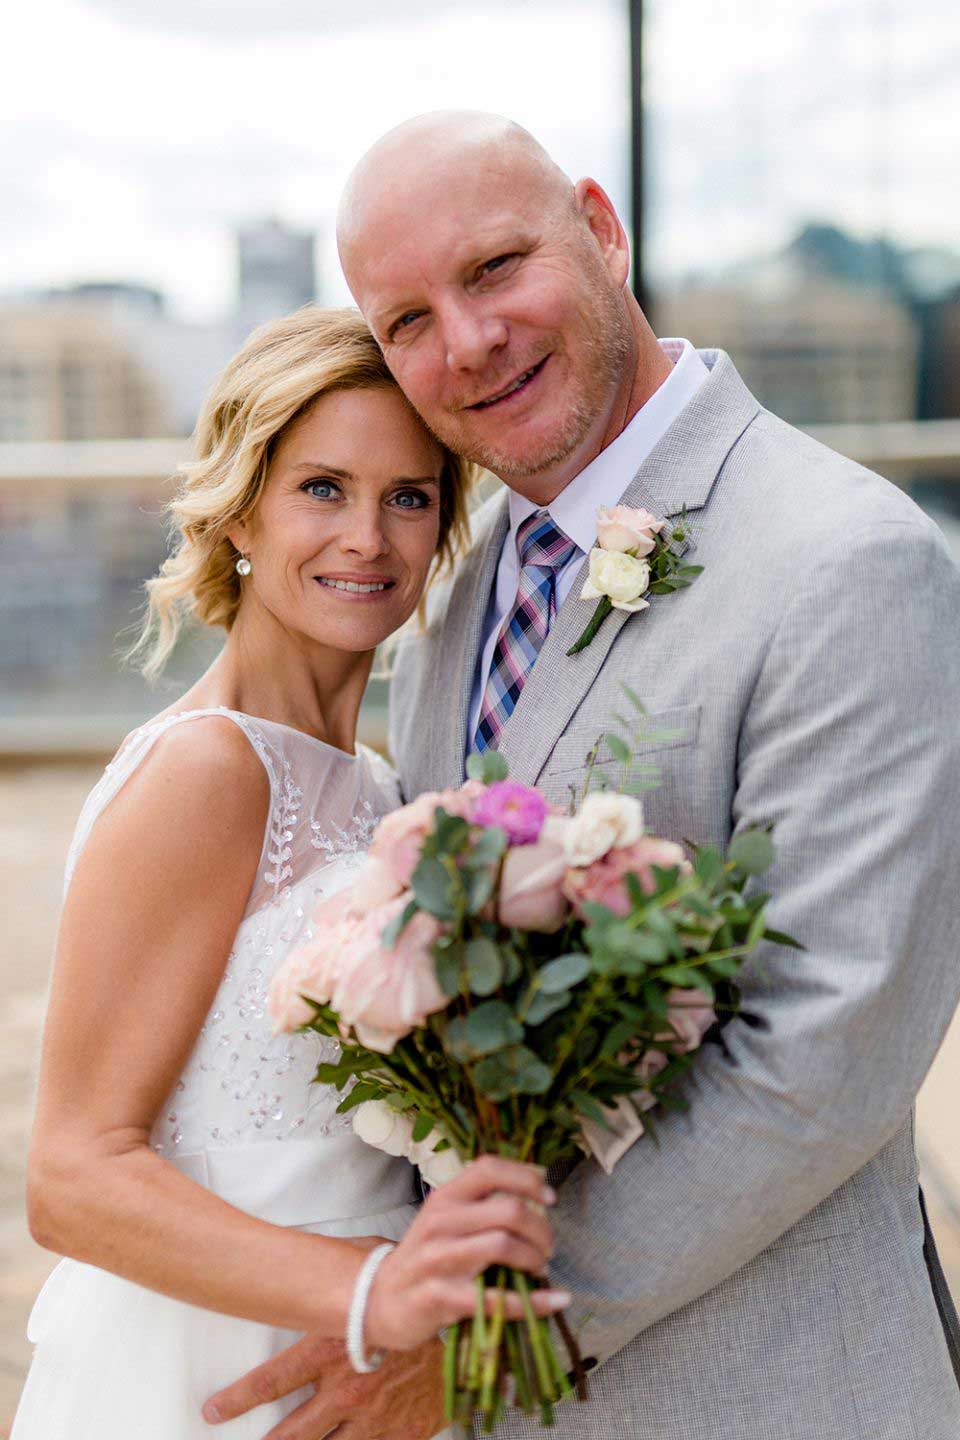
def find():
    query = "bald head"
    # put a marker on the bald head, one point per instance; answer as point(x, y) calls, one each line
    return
point(497, 291)
point(428, 151)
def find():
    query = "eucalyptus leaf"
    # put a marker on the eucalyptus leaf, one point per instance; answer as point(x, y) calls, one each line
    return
point(563, 972)
point(478, 883)
point(484, 966)
point(752, 851)
point(492, 1026)
point(449, 962)
point(488, 767)
point(489, 846)
point(433, 889)
point(542, 1006)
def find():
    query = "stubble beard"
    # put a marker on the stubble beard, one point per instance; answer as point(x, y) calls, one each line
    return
point(605, 352)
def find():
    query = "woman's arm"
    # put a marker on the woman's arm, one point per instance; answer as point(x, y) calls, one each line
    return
point(152, 911)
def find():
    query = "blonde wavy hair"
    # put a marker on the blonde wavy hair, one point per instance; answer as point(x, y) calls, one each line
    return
point(282, 369)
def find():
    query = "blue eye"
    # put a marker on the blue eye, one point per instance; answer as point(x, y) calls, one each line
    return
point(315, 487)
point(411, 500)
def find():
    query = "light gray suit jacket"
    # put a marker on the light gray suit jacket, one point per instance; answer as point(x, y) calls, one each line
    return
point(760, 1274)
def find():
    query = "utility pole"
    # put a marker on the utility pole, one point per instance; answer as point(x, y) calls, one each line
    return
point(636, 149)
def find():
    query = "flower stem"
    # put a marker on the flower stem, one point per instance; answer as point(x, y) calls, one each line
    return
point(540, 1359)
point(491, 1364)
point(451, 1348)
point(604, 606)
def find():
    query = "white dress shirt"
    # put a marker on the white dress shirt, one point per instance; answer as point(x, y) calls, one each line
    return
point(574, 511)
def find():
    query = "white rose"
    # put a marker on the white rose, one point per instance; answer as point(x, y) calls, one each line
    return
point(376, 1123)
point(435, 1168)
point(622, 578)
point(604, 822)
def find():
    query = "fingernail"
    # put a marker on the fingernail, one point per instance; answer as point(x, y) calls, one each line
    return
point(558, 1299)
point(211, 1413)
point(549, 1195)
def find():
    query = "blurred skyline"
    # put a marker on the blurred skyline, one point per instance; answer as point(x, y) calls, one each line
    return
point(144, 136)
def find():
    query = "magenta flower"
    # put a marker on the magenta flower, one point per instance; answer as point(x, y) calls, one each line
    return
point(515, 808)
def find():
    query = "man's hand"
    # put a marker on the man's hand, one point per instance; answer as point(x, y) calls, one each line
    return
point(402, 1400)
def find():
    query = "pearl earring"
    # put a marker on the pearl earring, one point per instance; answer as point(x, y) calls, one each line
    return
point(243, 566)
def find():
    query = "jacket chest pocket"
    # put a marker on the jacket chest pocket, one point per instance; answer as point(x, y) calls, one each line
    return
point(673, 729)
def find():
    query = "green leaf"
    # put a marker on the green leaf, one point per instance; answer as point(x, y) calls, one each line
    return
point(512, 964)
point(450, 833)
point(542, 1006)
point(518, 1066)
point(433, 889)
point(478, 883)
point(494, 1080)
point(484, 966)
point(492, 1026)
point(422, 1127)
point(590, 1107)
point(393, 931)
point(397, 1100)
point(489, 846)
point(449, 962)
point(619, 749)
point(679, 975)
point(752, 852)
point(777, 937)
point(563, 972)
point(708, 866)
point(634, 698)
point(488, 766)
point(724, 966)
point(357, 1096)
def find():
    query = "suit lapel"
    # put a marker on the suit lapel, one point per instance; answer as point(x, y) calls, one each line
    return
point(460, 640)
point(678, 474)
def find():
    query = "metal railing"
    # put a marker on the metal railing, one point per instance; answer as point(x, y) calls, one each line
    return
point(81, 526)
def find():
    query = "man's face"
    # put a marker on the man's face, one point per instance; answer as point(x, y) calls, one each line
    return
point(495, 312)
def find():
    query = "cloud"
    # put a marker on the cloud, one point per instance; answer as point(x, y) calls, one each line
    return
point(252, 18)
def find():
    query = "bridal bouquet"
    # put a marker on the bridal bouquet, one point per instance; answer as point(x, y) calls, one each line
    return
point(507, 978)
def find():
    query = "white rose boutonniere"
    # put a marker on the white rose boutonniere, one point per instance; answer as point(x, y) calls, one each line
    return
point(632, 558)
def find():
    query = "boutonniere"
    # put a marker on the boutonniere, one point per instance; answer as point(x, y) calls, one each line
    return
point(632, 559)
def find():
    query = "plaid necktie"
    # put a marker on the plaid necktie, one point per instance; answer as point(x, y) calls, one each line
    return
point(543, 551)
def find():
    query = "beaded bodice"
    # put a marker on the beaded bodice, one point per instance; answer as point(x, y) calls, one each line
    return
point(243, 1087)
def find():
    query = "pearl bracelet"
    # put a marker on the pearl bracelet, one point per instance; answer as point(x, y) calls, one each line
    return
point(358, 1312)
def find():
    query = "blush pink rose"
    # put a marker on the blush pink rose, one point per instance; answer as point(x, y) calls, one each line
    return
point(623, 528)
point(531, 886)
point(604, 882)
point(309, 969)
point(398, 841)
point(689, 1015)
point(384, 994)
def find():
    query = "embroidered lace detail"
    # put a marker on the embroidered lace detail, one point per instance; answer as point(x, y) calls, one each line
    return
point(284, 817)
point(353, 839)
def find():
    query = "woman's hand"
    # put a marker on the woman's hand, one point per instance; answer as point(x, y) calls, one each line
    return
point(491, 1214)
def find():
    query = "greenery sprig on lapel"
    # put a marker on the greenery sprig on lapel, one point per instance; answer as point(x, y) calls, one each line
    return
point(632, 559)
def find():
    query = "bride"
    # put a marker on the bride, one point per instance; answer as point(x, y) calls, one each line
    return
point(210, 1199)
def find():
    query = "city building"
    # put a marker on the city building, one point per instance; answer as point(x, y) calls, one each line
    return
point(814, 349)
point(275, 272)
point(67, 374)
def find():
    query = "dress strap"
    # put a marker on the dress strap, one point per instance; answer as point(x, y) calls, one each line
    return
point(134, 751)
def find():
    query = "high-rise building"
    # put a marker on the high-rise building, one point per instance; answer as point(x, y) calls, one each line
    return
point(275, 271)
point(816, 351)
point(66, 374)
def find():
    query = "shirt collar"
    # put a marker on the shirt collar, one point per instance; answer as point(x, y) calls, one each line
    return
point(604, 480)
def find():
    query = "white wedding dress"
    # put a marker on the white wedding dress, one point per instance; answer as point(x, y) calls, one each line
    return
point(114, 1361)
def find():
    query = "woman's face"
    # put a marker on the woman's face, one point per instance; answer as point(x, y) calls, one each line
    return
point(347, 526)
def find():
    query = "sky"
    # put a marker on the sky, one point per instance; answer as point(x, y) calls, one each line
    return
point(139, 133)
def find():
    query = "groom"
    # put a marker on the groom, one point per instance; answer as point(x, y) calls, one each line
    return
point(764, 1272)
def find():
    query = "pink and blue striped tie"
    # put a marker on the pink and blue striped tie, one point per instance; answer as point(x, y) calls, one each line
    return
point(543, 550)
